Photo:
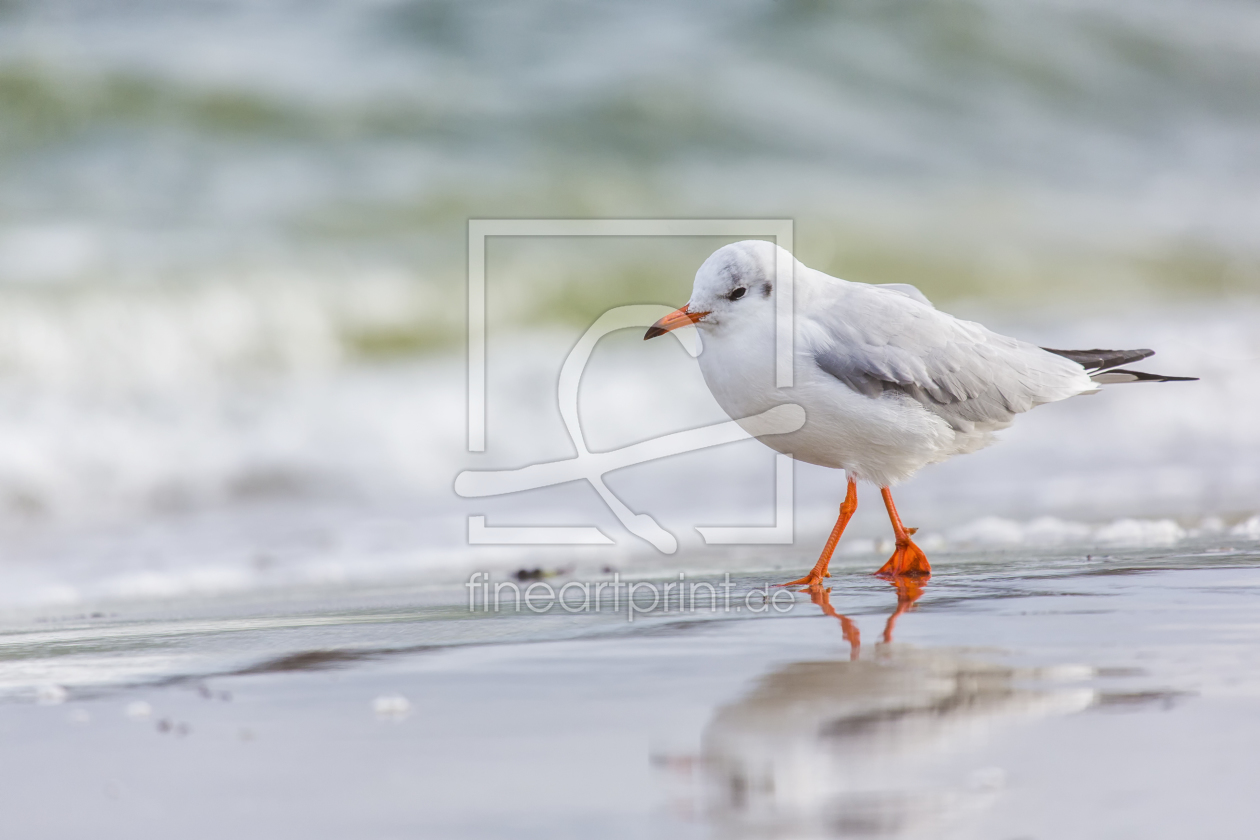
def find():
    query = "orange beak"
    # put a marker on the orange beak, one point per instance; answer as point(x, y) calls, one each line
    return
point(678, 318)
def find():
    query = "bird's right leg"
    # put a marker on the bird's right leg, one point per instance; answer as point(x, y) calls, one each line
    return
point(908, 559)
point(847, 507)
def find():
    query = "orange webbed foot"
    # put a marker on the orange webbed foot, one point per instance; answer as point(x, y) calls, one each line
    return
point(908, 560)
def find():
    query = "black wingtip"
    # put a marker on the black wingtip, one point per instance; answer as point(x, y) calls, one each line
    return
point(1098, 359)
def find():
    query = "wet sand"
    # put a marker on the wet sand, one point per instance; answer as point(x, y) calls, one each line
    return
point(1103, 697)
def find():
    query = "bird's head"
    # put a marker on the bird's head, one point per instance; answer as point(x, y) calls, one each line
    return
point(735, 284)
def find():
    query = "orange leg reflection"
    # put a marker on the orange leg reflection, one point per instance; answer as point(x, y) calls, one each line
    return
point(847, 508)
point(909, 590)
point(822, 597)
point(908, 560)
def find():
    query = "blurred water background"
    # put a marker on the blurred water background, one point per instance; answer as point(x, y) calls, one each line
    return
point(232, 267)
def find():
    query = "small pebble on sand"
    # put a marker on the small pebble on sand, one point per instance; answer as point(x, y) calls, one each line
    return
point(391, 707)
point(138, 710)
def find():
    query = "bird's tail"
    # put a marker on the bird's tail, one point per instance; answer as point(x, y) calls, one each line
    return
point(1111, 377)
point(1103, 365)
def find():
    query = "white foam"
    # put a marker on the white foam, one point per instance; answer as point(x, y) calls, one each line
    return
point(1049, 531)
point(147, 488)
point(1137, 532)
point(1250, 529)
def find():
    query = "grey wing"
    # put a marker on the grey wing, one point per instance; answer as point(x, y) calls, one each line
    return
point(875, 342)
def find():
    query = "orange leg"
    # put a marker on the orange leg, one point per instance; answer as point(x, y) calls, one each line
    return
point(908, 560)
point(847, 507)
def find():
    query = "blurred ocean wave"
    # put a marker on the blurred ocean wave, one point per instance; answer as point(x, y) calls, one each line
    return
point(978, 148)
point(176, 484)
point(137, 335)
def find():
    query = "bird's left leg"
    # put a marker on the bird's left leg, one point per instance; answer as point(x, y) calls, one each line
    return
point(907, 559)
point(847, 508)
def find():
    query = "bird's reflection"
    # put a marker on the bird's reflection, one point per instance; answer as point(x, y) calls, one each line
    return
point(909, 590)
point(875, 745)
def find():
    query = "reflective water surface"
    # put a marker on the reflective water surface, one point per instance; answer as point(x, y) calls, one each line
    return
point(1076, 698)
point(858, 747)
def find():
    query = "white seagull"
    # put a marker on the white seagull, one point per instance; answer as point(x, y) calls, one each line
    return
point(888, 383)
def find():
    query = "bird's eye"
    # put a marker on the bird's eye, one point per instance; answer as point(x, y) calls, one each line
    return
point(737, 293)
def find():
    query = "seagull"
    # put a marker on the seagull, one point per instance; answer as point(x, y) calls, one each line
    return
point(889, 383)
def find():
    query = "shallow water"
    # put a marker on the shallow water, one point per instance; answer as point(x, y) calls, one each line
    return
point(1039, 696)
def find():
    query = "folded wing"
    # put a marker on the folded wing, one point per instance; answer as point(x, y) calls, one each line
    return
point(878, 340)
